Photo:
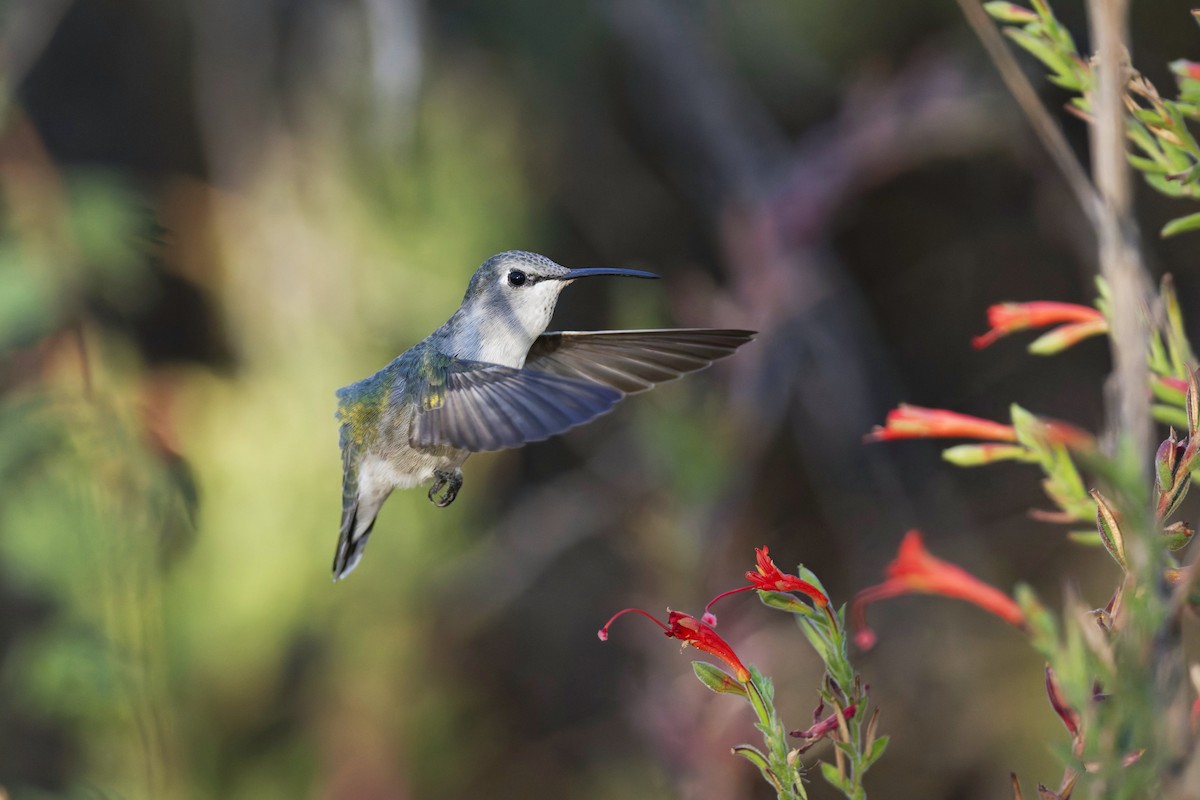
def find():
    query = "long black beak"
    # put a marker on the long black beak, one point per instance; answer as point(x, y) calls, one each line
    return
point(593, 271)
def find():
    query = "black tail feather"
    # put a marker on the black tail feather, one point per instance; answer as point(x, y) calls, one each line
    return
point(351, 543)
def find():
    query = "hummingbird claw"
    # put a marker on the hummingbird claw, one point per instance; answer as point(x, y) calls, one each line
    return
point(451, 482)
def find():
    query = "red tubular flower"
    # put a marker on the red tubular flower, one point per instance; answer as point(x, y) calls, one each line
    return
point(915, 422)
point(916, 571)
point(689, 630)
point(769, 578)
point(1006, 318)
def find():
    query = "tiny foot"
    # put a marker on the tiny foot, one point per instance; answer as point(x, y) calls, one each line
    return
point(451, 481)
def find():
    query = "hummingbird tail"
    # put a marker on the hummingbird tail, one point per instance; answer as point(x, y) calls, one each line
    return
point(356, 529)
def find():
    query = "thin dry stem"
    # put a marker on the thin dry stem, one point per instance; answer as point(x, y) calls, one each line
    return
point(1040, 120)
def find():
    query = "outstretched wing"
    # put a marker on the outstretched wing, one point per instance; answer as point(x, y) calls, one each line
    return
point(632, 361)
point(476, 406)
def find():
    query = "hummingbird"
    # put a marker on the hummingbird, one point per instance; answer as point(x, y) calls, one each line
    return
point(492, 378)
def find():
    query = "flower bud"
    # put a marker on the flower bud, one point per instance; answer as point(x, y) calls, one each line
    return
point(1177, 535)
point(1110, 531)
point(975, 455)
point(1186, 69)
point(1164, 461)
point(1011, 12)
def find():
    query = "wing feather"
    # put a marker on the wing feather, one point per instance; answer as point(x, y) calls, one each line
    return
point(632, 361)
point(484, 407)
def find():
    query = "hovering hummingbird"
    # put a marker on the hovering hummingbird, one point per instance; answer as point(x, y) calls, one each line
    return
point(490, 378)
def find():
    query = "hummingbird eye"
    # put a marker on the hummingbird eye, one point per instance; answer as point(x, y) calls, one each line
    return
point(516, 278)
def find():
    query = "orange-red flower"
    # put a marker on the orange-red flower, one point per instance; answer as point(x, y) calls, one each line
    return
point(915, 422)
point(690, 631)
point(1006, 318)
point(916, 571)
point(769, 578)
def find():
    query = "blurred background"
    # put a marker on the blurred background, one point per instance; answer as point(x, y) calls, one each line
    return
point(214, 213)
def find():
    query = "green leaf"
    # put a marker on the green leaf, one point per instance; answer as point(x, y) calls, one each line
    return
point(1171, 189)
point(1146, 165)
point(1042, 626)
point(1181, 224)
point(765, 687)
point(753, 755)
point(1027, 427)
point(1157, 359)
point(846, 748)
point(808, 576)
point(1042, 51)
point(1137, 133)
point(717, 679)
point(830, 773)
point(1178, 347)
point(1089, 538)
point(814, 632)
point(1189, 109)
point(1168, 394)
point(1169, 415)
point(1179, 127)
point(876, 751)
point(1176, 155)
point(786, 602)
point(1063, 483)
point(1070, 83)
point(1148, 116)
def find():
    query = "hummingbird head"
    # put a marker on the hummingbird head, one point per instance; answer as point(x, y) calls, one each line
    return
point(511, 298)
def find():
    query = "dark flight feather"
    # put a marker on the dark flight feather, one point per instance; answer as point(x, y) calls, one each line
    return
point(632, 361)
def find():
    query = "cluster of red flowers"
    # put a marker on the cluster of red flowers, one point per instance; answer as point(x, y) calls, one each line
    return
point(914, 571)
point(699, 633)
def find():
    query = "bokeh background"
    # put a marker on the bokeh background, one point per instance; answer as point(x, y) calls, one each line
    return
point(216, 212)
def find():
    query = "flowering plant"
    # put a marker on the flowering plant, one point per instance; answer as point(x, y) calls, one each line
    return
point(1114, 674)
point(856, 745)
